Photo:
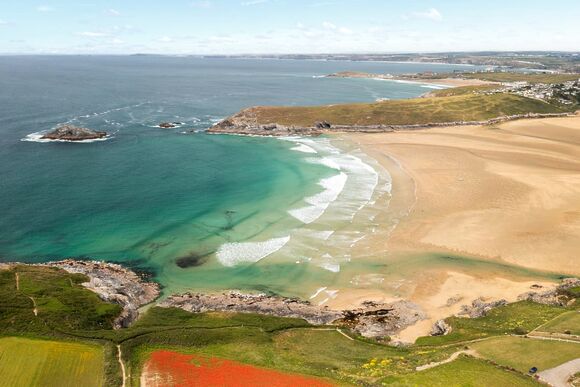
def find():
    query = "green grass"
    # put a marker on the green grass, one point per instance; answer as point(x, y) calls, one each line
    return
point(463, 372)
point(25, 362)
point(63, 303)
point(517, 318)
point(464, 90)
point(69, 312)
point(523, 353)
point(567, 322)
point(469, 107)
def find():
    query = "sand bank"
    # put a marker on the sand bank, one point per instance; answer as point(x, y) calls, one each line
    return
point(507, 195)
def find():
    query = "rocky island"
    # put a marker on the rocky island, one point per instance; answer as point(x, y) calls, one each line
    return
point(73, 133)
point(169, 125)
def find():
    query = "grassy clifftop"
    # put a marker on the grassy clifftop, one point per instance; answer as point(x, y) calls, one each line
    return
point(467, 107)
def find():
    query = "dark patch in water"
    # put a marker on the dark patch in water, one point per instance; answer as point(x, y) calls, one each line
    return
point(192, 260)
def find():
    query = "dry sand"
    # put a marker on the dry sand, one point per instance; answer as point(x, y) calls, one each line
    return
point(451, 82)
point(508, 194)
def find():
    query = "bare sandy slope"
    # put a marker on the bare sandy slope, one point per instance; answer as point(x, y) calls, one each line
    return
point(508, 194)
point(452, 82)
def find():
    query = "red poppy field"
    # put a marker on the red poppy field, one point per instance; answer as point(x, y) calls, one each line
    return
point(168, 368)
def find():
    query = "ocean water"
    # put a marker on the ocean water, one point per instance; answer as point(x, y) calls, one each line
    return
point(199, 211)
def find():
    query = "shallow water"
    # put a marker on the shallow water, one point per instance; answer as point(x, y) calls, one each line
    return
point(199, 211)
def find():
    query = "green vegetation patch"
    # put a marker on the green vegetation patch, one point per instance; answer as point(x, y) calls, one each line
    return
point(517, 318)
point(464, 90)
point(567, 323)
point(464, 371)
point(524, 353)
point(25, 362)
point(61, 302)
point(468, 107)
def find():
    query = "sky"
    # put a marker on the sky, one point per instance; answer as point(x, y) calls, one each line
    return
point(206, 27)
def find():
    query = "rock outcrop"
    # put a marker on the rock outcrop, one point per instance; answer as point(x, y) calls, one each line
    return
point(73, 133)
point(480, 308)
point(114, 283)
point(245, 122)
point(372, 320)
point(559, 296)
point(440, 328)
point(169, 125)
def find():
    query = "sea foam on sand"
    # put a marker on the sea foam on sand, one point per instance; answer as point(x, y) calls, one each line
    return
point(232, 254)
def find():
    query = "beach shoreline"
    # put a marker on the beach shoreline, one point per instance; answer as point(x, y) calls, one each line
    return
point(503, 195)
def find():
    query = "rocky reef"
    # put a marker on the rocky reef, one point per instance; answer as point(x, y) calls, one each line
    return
point(373, 320)
point(73, 133)
point(116, 284)
point(169, 125)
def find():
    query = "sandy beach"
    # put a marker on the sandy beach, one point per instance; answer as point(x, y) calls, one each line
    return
point(507, 195)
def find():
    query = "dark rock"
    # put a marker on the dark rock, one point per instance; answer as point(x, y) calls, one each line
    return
point(322, 125)
point(192, 260)
point(73, 133)
point(168, 125)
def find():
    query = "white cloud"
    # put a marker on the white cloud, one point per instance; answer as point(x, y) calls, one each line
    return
point(44, 8)
point(3, 23)
point(430, 14)
point(165, 39)
point(93, 34)
point(117, 41)
point(329, 25)
point(201, 4)
point(253, 2)
point(113, 12)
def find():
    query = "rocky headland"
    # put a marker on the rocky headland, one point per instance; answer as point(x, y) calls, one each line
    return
point(73, 133)
point(116, 284)
point(246, 123)
point(373, 320)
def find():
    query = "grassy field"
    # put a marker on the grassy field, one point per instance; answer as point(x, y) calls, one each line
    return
point(523, 354)
point(464, 90)
point(62, 303)
point(25, 362)
point(81, 322)
point(517, 318)
point(567, 322)
point(467, 107)
point(463, 372)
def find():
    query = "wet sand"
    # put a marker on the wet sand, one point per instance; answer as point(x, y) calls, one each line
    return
point(506, 196)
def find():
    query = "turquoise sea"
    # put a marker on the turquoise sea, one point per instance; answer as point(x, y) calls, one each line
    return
point(198, 211)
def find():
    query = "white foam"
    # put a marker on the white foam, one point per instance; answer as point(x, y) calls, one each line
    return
point(37, 137)
point(304, 148)
point(317, 292)
point(333, 186)
point(232, 254)
point(333, 267)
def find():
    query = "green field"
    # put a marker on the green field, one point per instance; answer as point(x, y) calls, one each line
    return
point(517, 318)
point(464, 371)
point(467, 107)
point(568, 322)
point(26, 362)
point(524, 353)
point(80, 341)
